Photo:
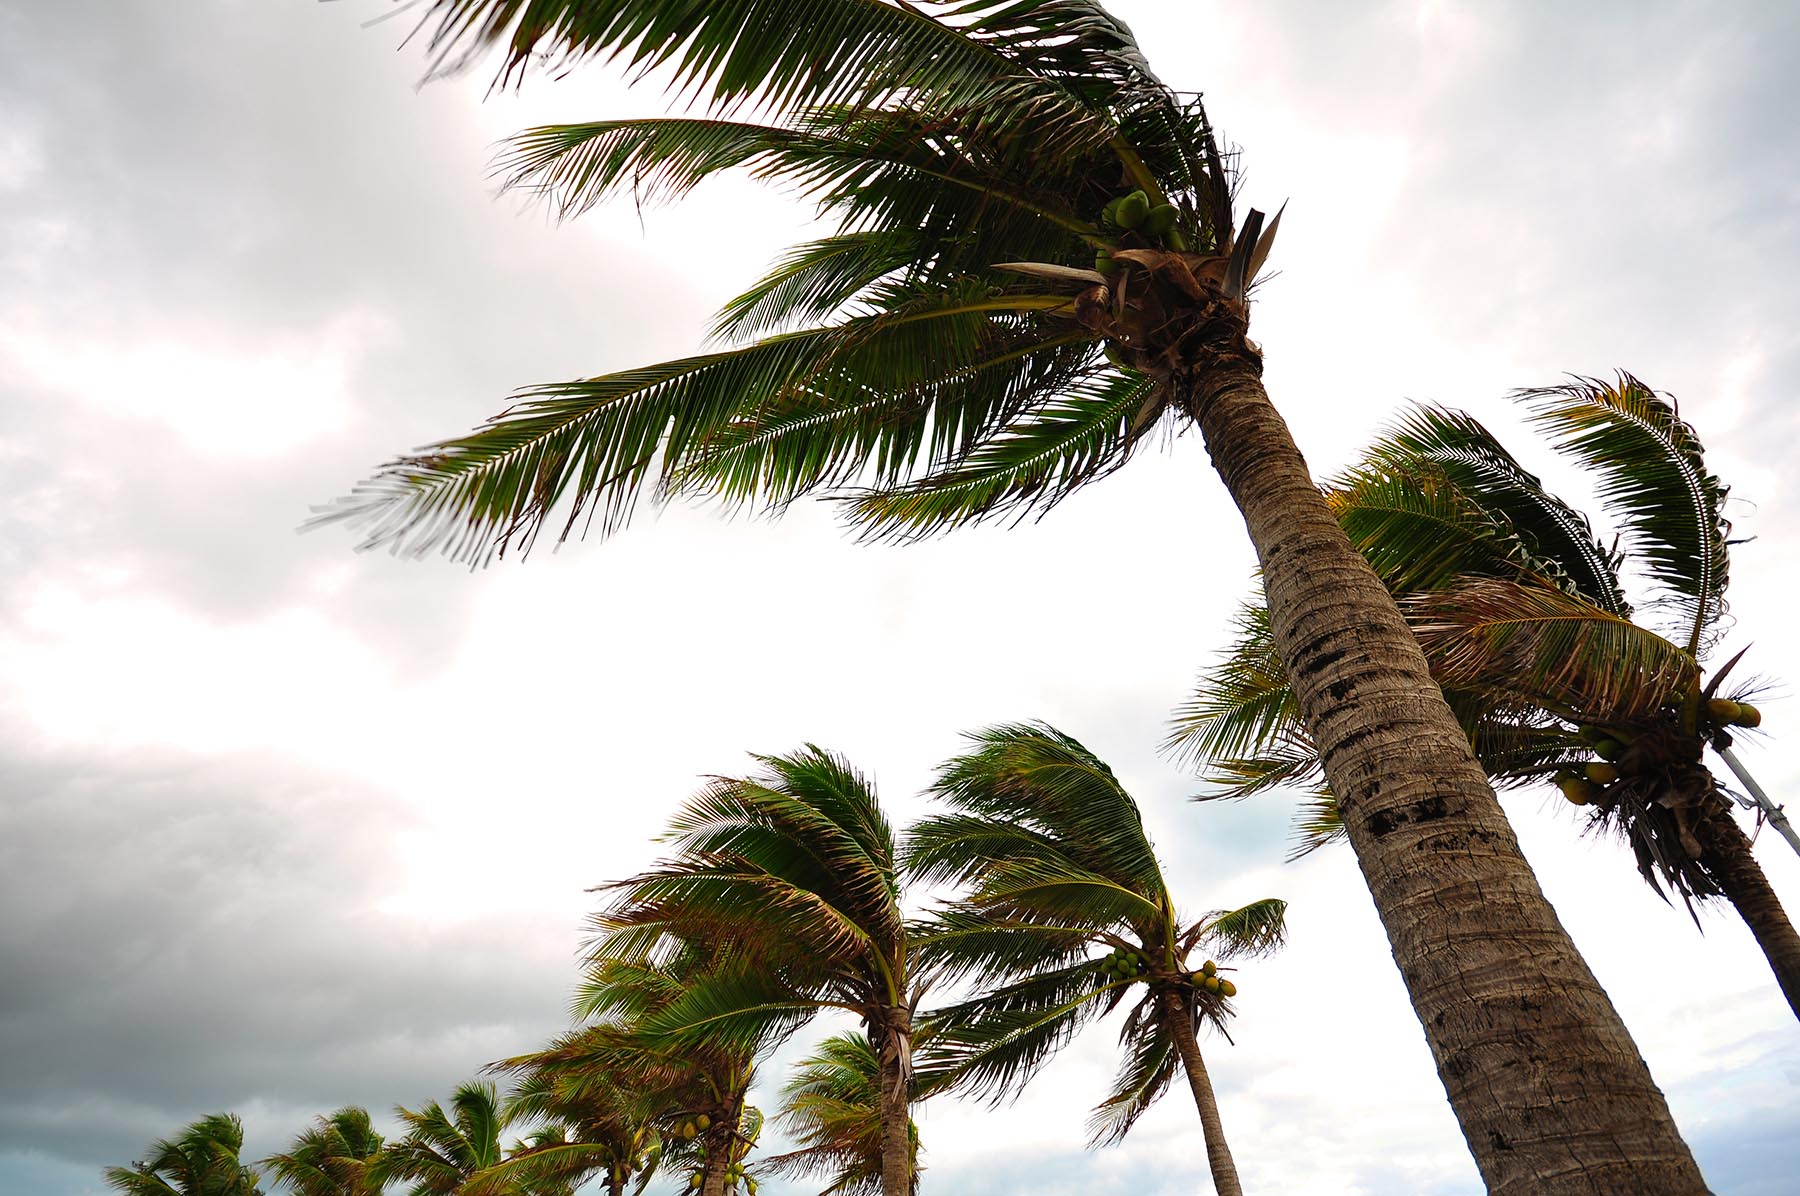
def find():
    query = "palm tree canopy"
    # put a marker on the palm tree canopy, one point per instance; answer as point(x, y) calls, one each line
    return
point(333, 1157)
point(1055, 863)
point(787, 880)
point(938, 358)
point(1520, 607)
point(201, 1161)
point(831, 1107)
point(442, 1149)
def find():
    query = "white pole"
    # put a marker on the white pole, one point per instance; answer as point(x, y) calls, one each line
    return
point(1777, 819)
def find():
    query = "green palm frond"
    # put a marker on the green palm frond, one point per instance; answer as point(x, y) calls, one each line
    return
point(814, 280)
point(597, 442)
point(968, 943)
point(1045, 780)
point(441, 1148)
point(1547, 647)
point(991, 1053)
point(959, 849)
point(1247, 932)
point(1243, 703)
point(1026, 468)
point(1651, 473)
point(202, 1160)
point(1151, 1062)
point(1485, 503)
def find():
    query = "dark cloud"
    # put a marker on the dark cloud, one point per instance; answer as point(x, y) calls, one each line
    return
point(205, 935)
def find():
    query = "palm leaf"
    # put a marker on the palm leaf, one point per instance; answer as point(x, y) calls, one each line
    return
point(1150, 1064)
point(1246, 932)
point(1652, 476)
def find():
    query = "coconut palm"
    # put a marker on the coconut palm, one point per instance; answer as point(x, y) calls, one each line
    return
point(1059, 870)
point(831, 1106)
point(787, 879)
point(992, 326)
point(201, 1161)
point(334, 1157)
point(1523, 613)
point(443, 1149)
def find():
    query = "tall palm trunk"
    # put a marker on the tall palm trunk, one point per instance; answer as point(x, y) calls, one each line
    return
point(1748, 890)
point(1178, 1015)
point(720, 1139)
point(1546, 1083)
point(893, 1047)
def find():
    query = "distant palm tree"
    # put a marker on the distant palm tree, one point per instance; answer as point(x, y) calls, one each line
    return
point(786, 879)
point(334, 1157)
point(201, 1161)
point(831, 1106)
point(1058, 866)
point(442, 1150)
point(1524, 617)
point(1037, 270)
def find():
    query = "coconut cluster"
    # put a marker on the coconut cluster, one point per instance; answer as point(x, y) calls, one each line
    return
point(1124, 965)
point(1209, 980)
point(1142, 225)
point(1619, 757)
point(734, 1175)
point(693, 1127)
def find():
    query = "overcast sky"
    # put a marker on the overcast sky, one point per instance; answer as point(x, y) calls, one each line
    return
point(284, 827)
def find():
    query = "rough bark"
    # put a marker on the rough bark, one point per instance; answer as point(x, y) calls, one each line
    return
point(1179, 1015)
point(1732, 863)
point(1546, 1083)
point(895, 1053)
point(718, 1138)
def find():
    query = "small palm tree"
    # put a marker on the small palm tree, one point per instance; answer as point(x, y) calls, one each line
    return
point(1058, 868)
point(334, 1157)
point(1037, 268)
point(1524, 617)
point(831, 1106)
point(442, 1150)
point(786, 880)
point(201, 1161)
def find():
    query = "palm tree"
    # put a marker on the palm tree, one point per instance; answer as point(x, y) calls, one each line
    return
point(201, 1161)
point(1523, 615)
point(594, 1120)
point(949, 356)
point(443, 1150)
point(334, 1157)
point(1059, 868)
point(831, 1106)
point(786, 879)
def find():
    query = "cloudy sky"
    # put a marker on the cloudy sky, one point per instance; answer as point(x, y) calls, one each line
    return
point(284, 827)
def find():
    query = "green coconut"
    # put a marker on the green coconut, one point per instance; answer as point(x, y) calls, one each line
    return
point(1104, 263)
point(1132, 210)
point(1723, 711)
point(1160, 219)
point(703, 1122)
point(1579, 790)
point(1601, 773)
point(1748, 715)
point(1227, 989)
point(1210, 968)
point(1608, 749)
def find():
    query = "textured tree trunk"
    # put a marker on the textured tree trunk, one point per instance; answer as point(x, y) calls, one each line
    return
point(718, 1138)
point(1748, 890)
point(1179, 1016)
point(895, 1053)
point(1546, 1083)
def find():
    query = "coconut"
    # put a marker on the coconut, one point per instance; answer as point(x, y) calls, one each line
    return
point(1103, 262)
point(1608, 748)
point(694, 1180)
point(688, 1130)
point(1579, 790)
point(1210, 968)
point(1723, 711)
point(1227, 988)
point(1133, 209)
point(703, 1122)
point(1110, 213)
point(1601, 773)
point(1212, 984)
point(1748, 715)
point(1159, 219)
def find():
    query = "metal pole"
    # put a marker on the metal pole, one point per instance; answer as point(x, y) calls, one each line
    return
point(1776, 818)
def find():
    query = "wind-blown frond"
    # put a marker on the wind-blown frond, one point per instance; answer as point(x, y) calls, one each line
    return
point(1547, 647)
point(831, 1108)
point(1651, 474)
point(814, 280)
point(1493, 505)
point(1246, 932)
point(1243, 703)
point(1151, 1062)
point(332, 1157)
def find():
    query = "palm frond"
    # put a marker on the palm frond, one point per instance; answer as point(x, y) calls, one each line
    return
point(1492, 504)
point(1246, 932)
point(1651, 473)
point(1548, 647)
point(814, 280)
point(1242, 703)
point(1151, 1062)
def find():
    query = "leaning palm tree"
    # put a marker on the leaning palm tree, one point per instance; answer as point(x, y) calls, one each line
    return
point(787, 880)
point(200, 1161)
point(1037, 269)
point(831, 1106)
point(1059, 870)
point(1523, 613)
point(443, 1149)
point(333, 1157)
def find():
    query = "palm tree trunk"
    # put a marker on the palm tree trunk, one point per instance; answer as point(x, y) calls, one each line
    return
point(1546, 1083)
point(718, 1140)
point(1728, 853)
point(894, 1049)
point(1178, 1015)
